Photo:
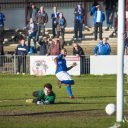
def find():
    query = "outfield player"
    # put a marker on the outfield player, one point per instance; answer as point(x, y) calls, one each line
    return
point(61, 71)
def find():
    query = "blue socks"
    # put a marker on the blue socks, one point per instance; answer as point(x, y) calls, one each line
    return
point(69, 90)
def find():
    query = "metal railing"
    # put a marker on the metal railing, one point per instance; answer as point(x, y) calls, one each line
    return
point(13, 64)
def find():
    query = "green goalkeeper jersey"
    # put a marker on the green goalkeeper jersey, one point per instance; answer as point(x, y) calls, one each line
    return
point(50, 98)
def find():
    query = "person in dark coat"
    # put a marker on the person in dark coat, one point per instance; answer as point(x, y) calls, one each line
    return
point(78, 51)
point(21, 51)
point(41, 20)
point(1, 52)
point(44, 46)
point(54, 17)
point(2, 19)
point(110, 6)
point(32, 11)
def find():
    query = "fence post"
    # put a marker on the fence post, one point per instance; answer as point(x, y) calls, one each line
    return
point(14, 64)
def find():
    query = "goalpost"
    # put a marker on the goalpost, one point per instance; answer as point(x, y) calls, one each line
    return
point(120, 62)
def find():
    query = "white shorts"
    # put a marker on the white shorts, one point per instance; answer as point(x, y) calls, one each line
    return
point(62, 76)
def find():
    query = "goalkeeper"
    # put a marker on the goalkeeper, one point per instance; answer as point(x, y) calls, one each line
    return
point(45, 96)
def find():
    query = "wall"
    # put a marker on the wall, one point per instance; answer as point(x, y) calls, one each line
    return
point(15, 18)
point(100, 65)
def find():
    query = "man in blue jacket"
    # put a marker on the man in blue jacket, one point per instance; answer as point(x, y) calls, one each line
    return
point(78, 22)
point(103, 48)
point(2, 19)
point(98, 19)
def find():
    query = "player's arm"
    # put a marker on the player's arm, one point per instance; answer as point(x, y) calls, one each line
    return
point(73, 65)
point(50, 100)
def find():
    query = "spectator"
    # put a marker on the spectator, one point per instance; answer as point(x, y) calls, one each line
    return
point(15, 39)
point(54, 17)
point(32, 11)
point(99, 17)
point(61, 26)
point(2, 19)
point(78, 51)
point(94, 4)
point(32, 30)
point(61, 72)
point(114, 33)
point(126, 43)
point(55, 47)
point(45, 96)
point(21, 51)
point(44, 46)
point(103, 48)
point(110, 6)
point(78, 22)
point(41, 19)
point(62, 42)
point(1, 53)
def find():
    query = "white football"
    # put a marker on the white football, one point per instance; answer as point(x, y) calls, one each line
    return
point(110, 109)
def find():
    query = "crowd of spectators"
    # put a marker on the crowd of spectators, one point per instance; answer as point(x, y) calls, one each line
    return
point(37, 18)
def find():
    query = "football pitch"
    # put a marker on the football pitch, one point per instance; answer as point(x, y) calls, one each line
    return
point(87, 110)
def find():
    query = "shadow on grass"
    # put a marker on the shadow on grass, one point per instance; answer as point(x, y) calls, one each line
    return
point(79, 97)
point(60, 113)
point(88, 97)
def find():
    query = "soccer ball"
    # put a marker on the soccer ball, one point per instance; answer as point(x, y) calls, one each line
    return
point(110, 109)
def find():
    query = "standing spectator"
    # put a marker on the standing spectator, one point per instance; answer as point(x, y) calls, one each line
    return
point(110, 6)
point(32, 30)
point(41, 19)
point(54, 17)
point(61, 26)
point(21, 51)
point(62, 42)
point(103, 48)
point(1, 52)
point(78, 51)
point(94, 4)
point(78, 22)
point(55, 47)
point(2, 19)
point(99, 17)
point(114, 33)
point(126, 43)
point(61, 72)
point(32, 11)
point(44, 46)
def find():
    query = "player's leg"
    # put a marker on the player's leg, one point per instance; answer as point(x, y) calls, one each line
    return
point(65, 78)
point(69, 91)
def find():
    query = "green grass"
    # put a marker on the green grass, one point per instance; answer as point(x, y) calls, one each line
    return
point(92, 94)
